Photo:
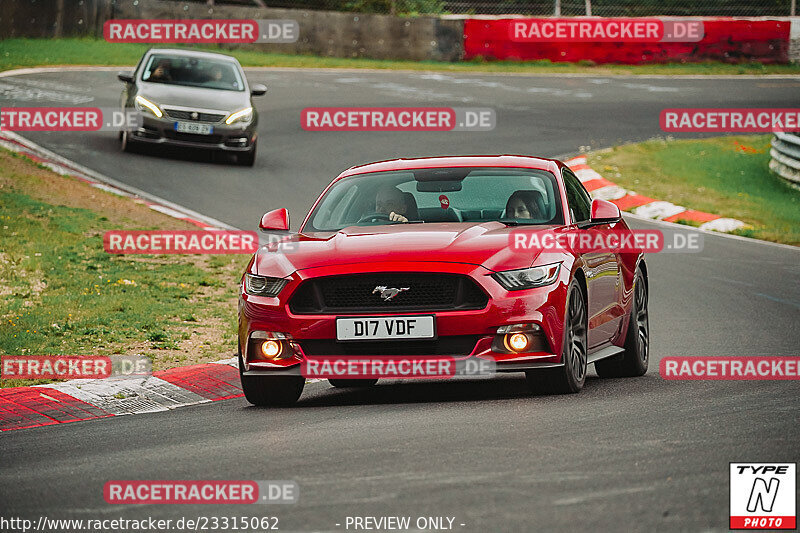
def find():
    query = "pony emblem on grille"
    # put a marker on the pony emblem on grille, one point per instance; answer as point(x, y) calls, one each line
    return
point(387, 293)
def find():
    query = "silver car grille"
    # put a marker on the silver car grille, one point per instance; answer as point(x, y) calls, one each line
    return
point(196, 116)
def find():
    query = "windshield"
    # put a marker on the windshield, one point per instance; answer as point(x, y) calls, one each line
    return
point(208, 73)
point(509, 195)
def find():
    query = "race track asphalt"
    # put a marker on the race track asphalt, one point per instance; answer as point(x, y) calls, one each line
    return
point(623, 455)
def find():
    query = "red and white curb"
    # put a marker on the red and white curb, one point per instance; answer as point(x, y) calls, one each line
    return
point(645, 207)
point(65, 167)
point(86, 399)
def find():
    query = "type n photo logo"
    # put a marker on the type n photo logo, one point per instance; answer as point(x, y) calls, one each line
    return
point(763, 496)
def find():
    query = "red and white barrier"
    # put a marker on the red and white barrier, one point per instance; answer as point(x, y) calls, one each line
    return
point(731, 40)
point(644, 206)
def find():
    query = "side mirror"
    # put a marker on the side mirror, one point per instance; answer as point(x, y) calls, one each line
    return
point(605, 211)
point(126, 77)
point(277, 220)
point(258, 89)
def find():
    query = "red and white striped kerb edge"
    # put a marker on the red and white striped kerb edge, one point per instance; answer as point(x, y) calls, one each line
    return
point(86, 399)
point(643, 206)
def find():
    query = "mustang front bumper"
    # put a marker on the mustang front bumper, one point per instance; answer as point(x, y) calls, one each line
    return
point(461, 334)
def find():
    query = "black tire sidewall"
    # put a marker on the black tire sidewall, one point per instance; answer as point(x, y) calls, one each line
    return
point(269, 391)
point(574, 290)
point(637, 364)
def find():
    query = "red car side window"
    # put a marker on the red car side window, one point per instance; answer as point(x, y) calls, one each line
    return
point(580, 204)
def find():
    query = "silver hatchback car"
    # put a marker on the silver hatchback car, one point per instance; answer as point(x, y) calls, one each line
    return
point(192, 99)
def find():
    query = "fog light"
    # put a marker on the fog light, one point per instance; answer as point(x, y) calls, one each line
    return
point(237, 141)
point(271, 349)
point(517, 342)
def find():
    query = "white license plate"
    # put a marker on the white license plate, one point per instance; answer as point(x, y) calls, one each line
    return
point(384, 327)
point(191, 127)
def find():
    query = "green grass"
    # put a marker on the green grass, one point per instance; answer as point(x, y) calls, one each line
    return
point(727, 176)
point(64, 295)
point(18, 53)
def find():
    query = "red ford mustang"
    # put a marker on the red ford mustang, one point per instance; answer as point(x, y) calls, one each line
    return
point(428, 240)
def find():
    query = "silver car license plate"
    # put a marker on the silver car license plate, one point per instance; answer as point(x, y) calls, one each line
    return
point(191, 127)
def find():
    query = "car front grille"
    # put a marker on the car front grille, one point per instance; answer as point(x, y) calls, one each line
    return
point(187, 115)
point(193, 137)
point(455, 345)
point(359, 293)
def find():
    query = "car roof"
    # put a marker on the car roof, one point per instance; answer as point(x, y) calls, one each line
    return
point(190, 53)
point(511, 161)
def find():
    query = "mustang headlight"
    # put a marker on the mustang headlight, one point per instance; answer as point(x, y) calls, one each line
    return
point(143, 104)
point(527, 278)
point(263, 286)
point(243, 115)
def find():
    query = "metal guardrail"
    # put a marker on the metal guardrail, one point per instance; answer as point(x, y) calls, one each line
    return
point(785, 157)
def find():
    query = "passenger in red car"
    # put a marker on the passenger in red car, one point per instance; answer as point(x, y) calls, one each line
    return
point(525, 204)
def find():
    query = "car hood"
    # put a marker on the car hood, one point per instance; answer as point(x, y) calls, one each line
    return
point(485, 244)
point(178, 95)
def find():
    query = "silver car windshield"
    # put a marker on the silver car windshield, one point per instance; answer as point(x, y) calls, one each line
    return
point(509, 195)
point(208, 73)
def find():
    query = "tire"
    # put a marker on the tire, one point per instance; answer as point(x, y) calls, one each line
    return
point(126, 144)
point(633, 361)
point(352, 383)
point(271, 391)
point(248, 158)
point(570, 377)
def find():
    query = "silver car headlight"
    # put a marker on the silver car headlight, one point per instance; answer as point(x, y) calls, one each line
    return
point(527, 278)
point(243, 115)
point(263, 285)
point(143, 104)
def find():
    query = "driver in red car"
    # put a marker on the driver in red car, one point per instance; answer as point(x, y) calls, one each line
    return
point(393, 202)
